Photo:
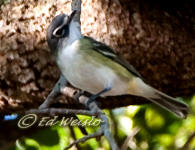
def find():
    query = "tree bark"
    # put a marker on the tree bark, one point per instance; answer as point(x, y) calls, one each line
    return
point(158, 38)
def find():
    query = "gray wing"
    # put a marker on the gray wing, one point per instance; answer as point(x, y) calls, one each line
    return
point(108, 52)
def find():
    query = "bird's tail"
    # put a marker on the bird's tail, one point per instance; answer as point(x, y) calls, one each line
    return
point(139, 88)
point(169, 103)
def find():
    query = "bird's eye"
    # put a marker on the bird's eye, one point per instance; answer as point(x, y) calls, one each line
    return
point(59, 32)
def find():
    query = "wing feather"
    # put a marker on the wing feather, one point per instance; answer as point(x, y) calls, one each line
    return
point(108, 52)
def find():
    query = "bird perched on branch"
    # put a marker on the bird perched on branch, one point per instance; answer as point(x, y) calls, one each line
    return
point(94, 67)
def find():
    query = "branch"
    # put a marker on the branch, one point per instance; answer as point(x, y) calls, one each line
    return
point(129, 138)
point(55, 91)
point(104, 128)
point(94, 110)
point(94, 135)
point(60, 111)
point(76, 5)
point(186, 145)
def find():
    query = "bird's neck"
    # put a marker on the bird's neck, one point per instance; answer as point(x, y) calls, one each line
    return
point(74, 32)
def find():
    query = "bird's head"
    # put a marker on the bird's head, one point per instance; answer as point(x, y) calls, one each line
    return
point(58, 30)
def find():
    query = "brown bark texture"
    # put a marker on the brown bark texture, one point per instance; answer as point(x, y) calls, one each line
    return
point(158, 38)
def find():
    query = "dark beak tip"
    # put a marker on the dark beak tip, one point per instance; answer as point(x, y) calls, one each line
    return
point(73, 13)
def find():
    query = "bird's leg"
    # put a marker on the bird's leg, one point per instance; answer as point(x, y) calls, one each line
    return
point(92, 98)
point(78, 94)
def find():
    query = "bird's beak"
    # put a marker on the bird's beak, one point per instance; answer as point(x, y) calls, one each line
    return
point(65, 22)
point(71, 16)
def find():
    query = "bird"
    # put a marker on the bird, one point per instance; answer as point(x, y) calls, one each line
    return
point(94, 67)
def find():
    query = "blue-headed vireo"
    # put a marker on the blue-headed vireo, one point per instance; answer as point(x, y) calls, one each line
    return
point(94, 67)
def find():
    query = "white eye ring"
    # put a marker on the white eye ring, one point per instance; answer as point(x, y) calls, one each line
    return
point(56, 30)
point(65, 21)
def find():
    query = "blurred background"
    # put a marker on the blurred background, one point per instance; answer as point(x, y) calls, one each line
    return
point(156, 37)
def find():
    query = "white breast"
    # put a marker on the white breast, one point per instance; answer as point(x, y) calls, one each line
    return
point(87, 76)
point(67, 59)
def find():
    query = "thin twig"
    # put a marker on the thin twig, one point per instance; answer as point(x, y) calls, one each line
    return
point(60, 111)
point(114, 125)
point(129, 138)
point(85, 138)
point(186, 145)
point(74, 136)
point(104, 128)
point(76, 5)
